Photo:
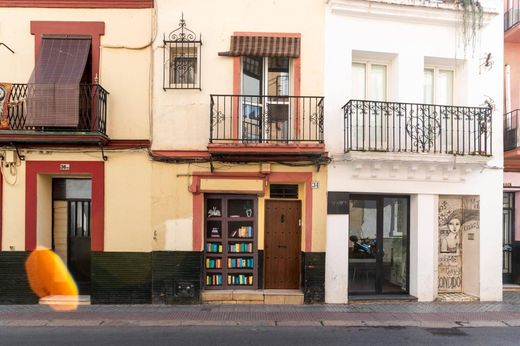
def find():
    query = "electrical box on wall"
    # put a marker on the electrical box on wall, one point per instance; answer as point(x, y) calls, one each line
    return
point(10, 156)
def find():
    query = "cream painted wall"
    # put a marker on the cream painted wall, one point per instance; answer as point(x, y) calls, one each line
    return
point(124, 73)
point(44, 211)
point(128, 203)
point(172, 204)
point(181, 117)
point(13, 210)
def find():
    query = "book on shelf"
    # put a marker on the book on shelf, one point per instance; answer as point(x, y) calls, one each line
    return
point(240, 279)
point(213, 263)
point(212, 247)
point(214, 280)
point(240, 262)
point(243, 232)
point(240, 247)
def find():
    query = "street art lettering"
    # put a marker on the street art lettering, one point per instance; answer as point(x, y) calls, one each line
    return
point(457, 215)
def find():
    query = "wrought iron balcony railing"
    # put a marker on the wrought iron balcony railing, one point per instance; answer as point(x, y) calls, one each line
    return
point(417, 128)
point(91, 117)
point(512, 15)
point(266, 119)
point(511, 130)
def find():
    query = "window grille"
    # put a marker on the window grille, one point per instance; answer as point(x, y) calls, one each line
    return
point(283, 191)
point(182, 59)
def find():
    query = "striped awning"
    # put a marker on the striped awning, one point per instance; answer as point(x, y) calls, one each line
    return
point(264, 46)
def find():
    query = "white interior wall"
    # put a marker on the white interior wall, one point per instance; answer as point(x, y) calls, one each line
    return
point(44, 211)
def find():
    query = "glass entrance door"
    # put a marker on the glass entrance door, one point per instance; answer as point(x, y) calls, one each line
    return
point(378, 244)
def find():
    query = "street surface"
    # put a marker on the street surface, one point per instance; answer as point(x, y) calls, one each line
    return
point(199, 335)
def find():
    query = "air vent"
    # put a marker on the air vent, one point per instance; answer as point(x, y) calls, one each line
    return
point(283, 191)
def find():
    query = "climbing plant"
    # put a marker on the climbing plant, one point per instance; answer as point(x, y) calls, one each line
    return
point(472, 18)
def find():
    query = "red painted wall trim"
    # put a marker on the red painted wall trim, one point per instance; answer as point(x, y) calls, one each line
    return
point(306, 179)
point(180, 154)
point(94, 169)
point(128, 144)
point(78, 3)
point(279, 177)
point(94, 29)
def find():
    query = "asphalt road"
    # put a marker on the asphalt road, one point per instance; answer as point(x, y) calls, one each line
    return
point(257, 336)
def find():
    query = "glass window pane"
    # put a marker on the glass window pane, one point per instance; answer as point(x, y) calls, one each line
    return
point(428, 86)
point(278, 77)
point(445, 88)
point(358, 81)
point(252, 75)
point(377, 84)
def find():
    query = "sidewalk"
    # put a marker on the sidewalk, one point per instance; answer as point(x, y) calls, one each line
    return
point(427, 315)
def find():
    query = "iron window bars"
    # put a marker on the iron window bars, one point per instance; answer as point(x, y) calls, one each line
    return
point(510, 130)
point(182, 59)
point(417, 128)
point(512, 14)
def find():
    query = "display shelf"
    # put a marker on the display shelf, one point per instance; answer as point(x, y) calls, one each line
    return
point(230, 248)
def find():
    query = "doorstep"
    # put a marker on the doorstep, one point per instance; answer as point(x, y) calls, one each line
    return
point(511, 288)
point(380, 298)
point(65, 300)
point(269, 296)
point(456, 297)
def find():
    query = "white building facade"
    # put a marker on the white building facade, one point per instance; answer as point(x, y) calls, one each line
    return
point(415, 184)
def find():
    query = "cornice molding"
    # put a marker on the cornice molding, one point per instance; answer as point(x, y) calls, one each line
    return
point(405, 10)
point(78, 3)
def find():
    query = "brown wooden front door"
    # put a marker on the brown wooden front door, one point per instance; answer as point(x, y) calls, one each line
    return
point(282, 244)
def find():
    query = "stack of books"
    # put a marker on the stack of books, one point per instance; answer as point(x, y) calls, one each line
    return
point(240, 262)
point(213, 263)
point(214, 280)
point(212, 247)
point(240, 279)
point(241, 247)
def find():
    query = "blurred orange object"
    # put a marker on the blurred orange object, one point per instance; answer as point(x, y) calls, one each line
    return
point(48, 276)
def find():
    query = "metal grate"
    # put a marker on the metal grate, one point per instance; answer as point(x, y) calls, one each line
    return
point(283, 191)
point(181, 59)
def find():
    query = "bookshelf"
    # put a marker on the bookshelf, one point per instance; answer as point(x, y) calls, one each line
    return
point(230, 242)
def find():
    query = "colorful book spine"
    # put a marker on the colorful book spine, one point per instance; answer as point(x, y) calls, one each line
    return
point(214, 280)
point(212, 247)
point(212, 263)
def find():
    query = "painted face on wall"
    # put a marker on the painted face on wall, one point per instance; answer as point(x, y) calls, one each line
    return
point(454, 225)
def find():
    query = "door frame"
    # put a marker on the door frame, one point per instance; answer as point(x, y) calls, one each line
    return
point(299, 201)
point(379, 239)
point(509, 277)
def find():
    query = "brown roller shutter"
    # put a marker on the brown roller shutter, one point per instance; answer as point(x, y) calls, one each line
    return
point(53, 90)
point(264, 46)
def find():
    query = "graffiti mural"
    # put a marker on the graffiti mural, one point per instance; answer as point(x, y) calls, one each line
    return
point(457, 216)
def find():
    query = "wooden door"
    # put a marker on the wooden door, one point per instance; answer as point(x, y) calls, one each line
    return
point(282, 244)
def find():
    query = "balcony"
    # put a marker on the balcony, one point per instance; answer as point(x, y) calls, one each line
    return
point(511, 130)
point(266, 126)
point(91, 125)
point(512, 15)
point(417, 128)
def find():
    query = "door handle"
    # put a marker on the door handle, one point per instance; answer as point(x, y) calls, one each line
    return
point(282, 218)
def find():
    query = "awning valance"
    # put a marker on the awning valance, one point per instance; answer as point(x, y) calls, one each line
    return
point(273, 46)
point(53, 90)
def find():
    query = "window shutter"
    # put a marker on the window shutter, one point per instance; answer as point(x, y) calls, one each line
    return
point(53, 90)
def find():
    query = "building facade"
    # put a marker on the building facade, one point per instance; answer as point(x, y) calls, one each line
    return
point(74, 137)
point(511, 229)
point(238, 139)
point(415, 180)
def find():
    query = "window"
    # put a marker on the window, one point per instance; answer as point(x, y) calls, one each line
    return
point(265, 107)
point(182, 57)
point(183, 66)
point(438, 86)
point(369, 81)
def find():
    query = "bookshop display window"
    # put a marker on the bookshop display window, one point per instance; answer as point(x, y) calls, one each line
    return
point(230, 242)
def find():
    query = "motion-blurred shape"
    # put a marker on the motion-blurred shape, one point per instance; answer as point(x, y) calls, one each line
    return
point(48, 276)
